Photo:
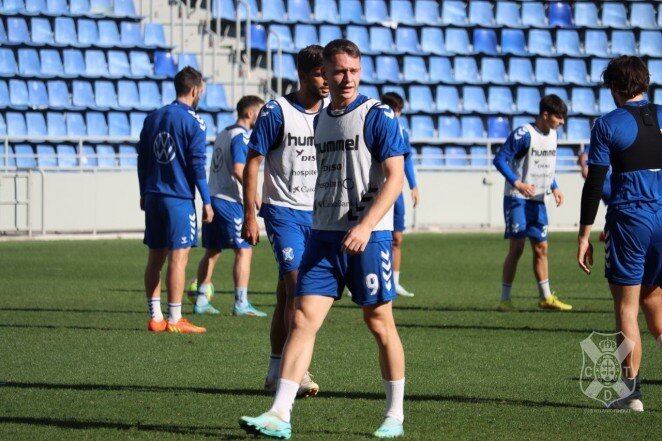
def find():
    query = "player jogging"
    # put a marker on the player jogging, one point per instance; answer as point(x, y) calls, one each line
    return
point(395, 102)
point(225, 178)
point(629, 140)
point(171, 164)
point(283, 137)
point(528, 161)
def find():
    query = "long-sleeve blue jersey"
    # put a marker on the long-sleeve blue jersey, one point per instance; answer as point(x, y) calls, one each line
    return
point(172, 153)
point(410, 172)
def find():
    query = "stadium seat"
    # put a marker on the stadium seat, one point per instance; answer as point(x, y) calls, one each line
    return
point(18, 94)
point(65, 32)
point(422, 127)
point(565, 159)
point(492, 70)
point(513, 42)
point(215, 98)
point(35, 7)
point(57, 8)
point(528, 100)
point(431, 156)
point(376, 11)
point(284, 66)
point(406, 40)
point(74, 63)
point(478, 156)
point(187, 59)
point(88, 33)
point(164, 64)
point(456, 156)
point(327, 11)
point(369, 91)
point(547, 71)
point(329, 33)
point(560, 14)
point(155, 35)
point(596, 43)
point(305, 35)
point(28, 63)
point(578, 129)
point(574, 71)
point(37, 95)
point(508, 14)
point(56, 124)
point(427, 12)
point(520, 71)
point(109, 35)
point(41, 33)
point(586, 14)
point(127, 94)
point(273, 10)
point(88, 157)
point(58, 95)
point(388, 69)
point(168, 93)
point(642, 15)
point(402, 12)
point(485, 41)
point(453, 13)
point(351, 11)
point(614, 15)
point(66, 156)
point(448, 99)
point(283, 31)
point(8, 66)
point(449, 127)
point(101, 7)
point(131, 34)
point(360, 36)
point(440, 69)
point(655, 69)
point(472, 127)
point(598, 65)
point(141, 67)
point(17, 31)
point(95, 64)
point(481, 13)
point(4, 95)
point(79, 7)
point(623, 43)
point(606, 102)
point(381, 39)
point(567, 43)
point(540, 42)
point(457, 41)
point(498, 127)
point(583, 101)
point(3, 33)
point(414, 69)
point(82, 95)
point(105, 96)
point(51, 63)
point(118, 64)
point(420, 99)
point(46, 157)
point(36, 125)
point(76, 127)
point(533, 14)
point(150, 96)
point(136, 119)
point(368, 73)
point(474, 99)
point(466, 70)
point(500, 100)
point(223, 120)
point(558, 91)
point(432, 41)
point(650, 43)
point(124, 8)
point(128, 157)
point(25, 156)
point(106, 156)
point(118, 125)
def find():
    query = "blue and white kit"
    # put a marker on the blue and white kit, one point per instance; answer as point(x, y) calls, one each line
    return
point(410, 174)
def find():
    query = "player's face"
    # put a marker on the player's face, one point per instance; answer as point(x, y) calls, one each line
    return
point(343, 74)
point(314, 83)
point(552, 121)
point(197, 95)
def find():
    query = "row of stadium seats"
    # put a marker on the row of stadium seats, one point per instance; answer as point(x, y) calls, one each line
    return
point(427, 12)
point(73, 63)
point(92, 8)
point(437, 41)
point(80, 32)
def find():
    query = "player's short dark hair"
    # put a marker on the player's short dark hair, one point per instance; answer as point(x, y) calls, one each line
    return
point(341, 46)
point(394, 101)
point(310, 58)
point(626, 75)
point(246, 102)
point(554, 105)
point(187, 79)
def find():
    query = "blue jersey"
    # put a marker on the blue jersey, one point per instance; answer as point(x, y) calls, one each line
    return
point(613, 134)
point(410, 173)
point(172, 153)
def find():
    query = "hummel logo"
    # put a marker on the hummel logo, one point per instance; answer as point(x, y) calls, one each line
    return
point(299, 152)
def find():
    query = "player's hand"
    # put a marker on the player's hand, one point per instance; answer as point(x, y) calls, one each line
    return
point(528, 190)
point(559, 197)
point(585, 255)
point(250, 232)
point(207, 214)
point(415, 196)
point(356, 239)
point(142, 204)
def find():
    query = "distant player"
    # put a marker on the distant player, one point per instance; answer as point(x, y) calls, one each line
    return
point(360, 173)
point(395, 102)
point(171, 164)
point(628, 140)
point(225, 179)
point(528, 161)
point(283, 137)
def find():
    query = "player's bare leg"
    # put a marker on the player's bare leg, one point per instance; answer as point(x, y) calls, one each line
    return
point(277, 337)
point(202, 291)
point(541, 270)
point(207, 265)
point(515, 250)
point(241, 273)
point(177, 261)
point(396, 251)
point(651, 304)
point(155, 260)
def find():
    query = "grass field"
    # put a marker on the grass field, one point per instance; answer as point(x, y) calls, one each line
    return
point(78, 363)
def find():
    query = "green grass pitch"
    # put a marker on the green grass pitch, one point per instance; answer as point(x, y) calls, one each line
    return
point(77, 362)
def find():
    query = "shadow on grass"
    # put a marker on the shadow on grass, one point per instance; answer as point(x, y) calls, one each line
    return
point(74, 327)
point(223, 291)
point(399, 307)
point(497, 328)
point(644, 381)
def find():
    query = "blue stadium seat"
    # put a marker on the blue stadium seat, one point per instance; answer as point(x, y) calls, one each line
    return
point(4, 95)
point(118, 125)
point(25, 156)
point(76, 127)
point(95, 64)
point(96, 125)
point(547, 71)
point(3, 33)
point(560, 14)
point(472, 127)
point(642, 15)
point(513, 42)
point(586, 15)
point(481, 13)
point(448, 99)
point(28, 62)
point(88, 156)
point(606, 102)
point(369, 91)
point(18, 94)
point(141, 67)
point(51, 63)
point(558, 91)
point(422, 126)
point(406, 40)
point(56, 124)
point(273, 10)
point(58, 95)
point(498, 127)
point(376, 11)
point(216, 98)
point(168, 94)
point(351, 11)
point(283, 31)
point(540, 42)
point(284, 66)
point(453, 13)
point(37, 125)
point(109, 35)
point(368, 73)
point(327, 11)
point(414, 69)
point(432, 41)
point(583, 101)
point(46, 156)
point(127, 156)
point(101, 7)
point(37, 95)
point(155, 36)
point(8, 66)
point(533, 14)
point(224, 119)
point(164, 64)
point(17, 31)
point(449, 127)
point(566, 158)
point(150, 96)
point(650, 43)
point(402, 12)
point(124, 8)
point(420, 99)
point(241, 10)
point(127, 94)
point(596, 43)
point(187, 59)
point(118, 64)
point(74, 63)
point(66, 156)
point(42, 33)
point(431, 156)
point(528, 100)
point(456, 156)
point(478, 156)
point(427, 12)
point(35, 7)
point(106, 156)
point(104, 95)
point(598, 65)
point(82, 94)
point(360, 36)
point(492, 70)
point(65, 31)
point(659, 16)
point(88, 33)
point(520, 71)
point(474, 99)
point(500, 100)
point(136, 119)
point(623, 43)
point(381, 39)
point(574, 71)
point(329, 33)
point(508, 14)
point(567, 43)
point(258, 38)
point(457, 41)
point(13, 6)
point(305, 35)
point(208, 156)
point(466, 70)
point(485, 41)
point(131, 34)
point(578, 129)
point(440, 69)
point(79, 7)
point(614, 15)
point(655, 69)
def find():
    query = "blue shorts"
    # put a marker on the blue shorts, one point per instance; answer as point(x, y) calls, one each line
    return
point(288, 240)
point(170, 222)
point(633, 245)
point(225, 229)
point(325, 269)
point(525, 218)
point(399, 214)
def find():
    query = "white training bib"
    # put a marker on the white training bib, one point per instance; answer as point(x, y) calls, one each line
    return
point(538, 166)
point(222, 183)
point(348, 178)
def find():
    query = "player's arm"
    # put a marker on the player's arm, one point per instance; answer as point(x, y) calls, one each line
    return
point(198, 159)
point(142, 168)
point(239, 150)
point(559, 197)
point(516, 143)
point(410, 172)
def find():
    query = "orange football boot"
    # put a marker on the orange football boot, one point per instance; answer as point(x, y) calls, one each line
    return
point(183, 326)
point(154, 326)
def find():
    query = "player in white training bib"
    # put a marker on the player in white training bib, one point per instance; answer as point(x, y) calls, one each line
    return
point(360, 173)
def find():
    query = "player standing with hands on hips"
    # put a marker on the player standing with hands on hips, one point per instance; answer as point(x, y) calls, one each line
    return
point(171, 164)
point(360, 173)
point(628, 139)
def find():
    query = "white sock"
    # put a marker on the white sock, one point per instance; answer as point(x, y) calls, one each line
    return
point(154, 306)
point(395, 395)
point(174, 312)
point(201, 299)
point(658, 340)
point(274, 366)
point(285, 395)
point(396, 277)
point(505, 291)
point(241, 297)
point(543, 289)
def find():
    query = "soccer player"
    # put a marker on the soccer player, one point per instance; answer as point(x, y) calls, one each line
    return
point(283, 137)
point(225, 182)
point(395, 102)
point(360, 173)
point(528, 160)
point(629, 140)
point(171, 164)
